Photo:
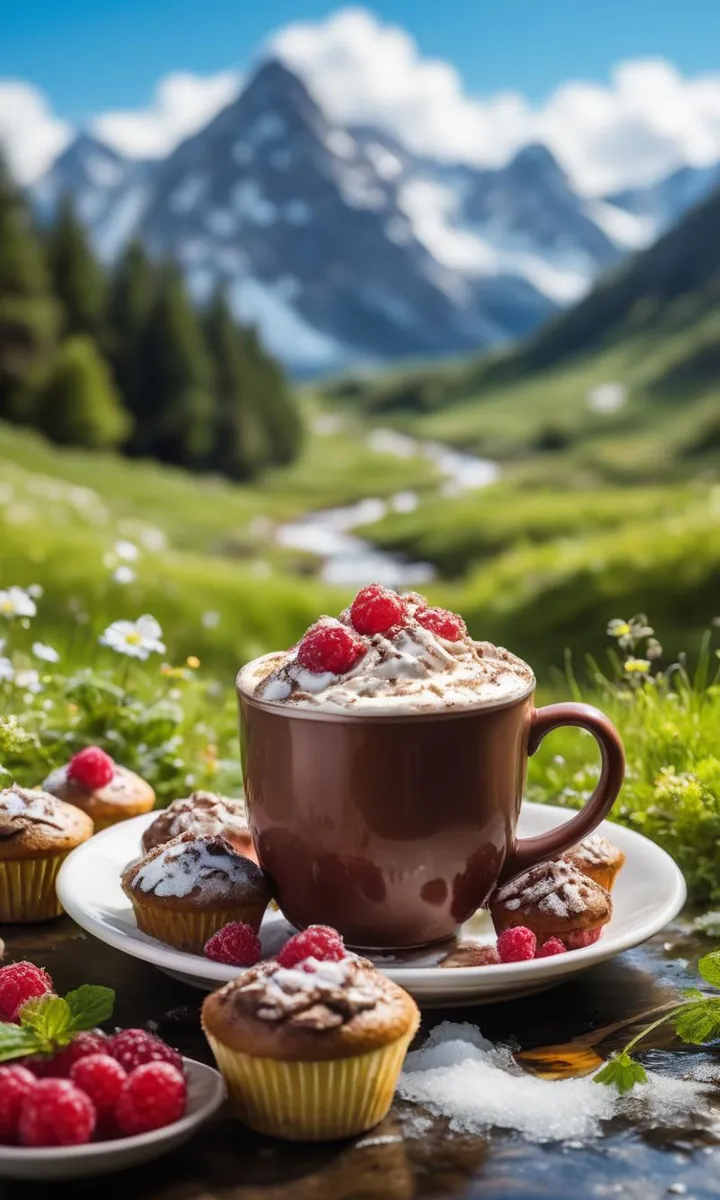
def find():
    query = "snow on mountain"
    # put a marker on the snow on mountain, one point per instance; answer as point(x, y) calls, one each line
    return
point(344, 246)
point(659, 205)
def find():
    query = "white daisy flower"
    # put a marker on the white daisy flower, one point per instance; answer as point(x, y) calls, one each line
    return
point(123, 574)
point(28, 681)
point(7, 671)
point(126, 550)
point(36, 590)
point(137, 639)
point(45, 653)
point(15, 602)
point(210, 619)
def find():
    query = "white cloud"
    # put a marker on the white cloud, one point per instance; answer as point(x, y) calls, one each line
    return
point(645, 122)
point(181, 105)
point(30, 134)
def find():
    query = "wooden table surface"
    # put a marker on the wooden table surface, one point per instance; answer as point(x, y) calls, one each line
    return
point(405, 1158)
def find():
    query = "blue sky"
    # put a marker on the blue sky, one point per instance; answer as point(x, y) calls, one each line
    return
point(91, 55)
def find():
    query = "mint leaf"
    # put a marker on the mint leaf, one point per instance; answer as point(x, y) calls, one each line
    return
point(17, 1041)
point(89, 1006)
point(709, 968)
point(621, 1072)
point(699, 1022)
point(49, 1019)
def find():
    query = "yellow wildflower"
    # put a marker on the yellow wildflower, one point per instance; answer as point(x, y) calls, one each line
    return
point(193, 661)
point(637, 666)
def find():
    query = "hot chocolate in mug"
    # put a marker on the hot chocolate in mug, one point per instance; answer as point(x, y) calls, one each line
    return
point(389, 816)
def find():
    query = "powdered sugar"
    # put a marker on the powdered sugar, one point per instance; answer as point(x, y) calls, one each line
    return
point(17, 802)
point(182, 867)
point(459, 1075)
point(411, 668)
point(557, 889)
point(595, 850)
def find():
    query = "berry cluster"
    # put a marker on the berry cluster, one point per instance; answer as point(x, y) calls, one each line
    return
point(95, 1087)
point(239, 946)
point(336, 647)
point(519, 944)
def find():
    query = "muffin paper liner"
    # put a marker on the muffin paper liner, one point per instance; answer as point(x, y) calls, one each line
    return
point(27, 889)
point(312, 1101)
point(189, 931)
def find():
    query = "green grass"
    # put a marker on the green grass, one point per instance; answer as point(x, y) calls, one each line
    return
point(456, 533)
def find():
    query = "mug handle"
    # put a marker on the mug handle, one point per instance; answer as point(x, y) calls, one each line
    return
point(526, 852)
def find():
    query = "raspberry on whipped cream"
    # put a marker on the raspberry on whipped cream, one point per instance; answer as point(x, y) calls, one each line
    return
point(423, 660)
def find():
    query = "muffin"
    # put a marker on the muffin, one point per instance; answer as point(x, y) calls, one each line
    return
point(205, 815)
point(598, 859)
point(185, 890)
point(310, 1052)
point(104, 790)
point(553, 899)
point(37, 832)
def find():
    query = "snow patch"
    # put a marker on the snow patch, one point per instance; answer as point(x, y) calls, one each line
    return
point(284, 331)
point(186, 196)
point(268, 128)
point(221, 222)
point(387, 165)
point(630, 231)
point(250, 203)
point(121, 222)
point(341, 143)
point(103, 172)
point(361, 191)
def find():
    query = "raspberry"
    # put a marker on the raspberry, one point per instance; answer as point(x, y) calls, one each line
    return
point(581, 938)
point(133, 1047)
point(236, 944)
point(91, 768)
point(153, 1095)
point(101, 1078)
point(375, 609)
point(56, 1113)
point(550, 948)
point(15, 1084)
point(329, 647)
point(445, 624)
point(517, 944)
point(19, 982)
point(59, 1065)
point(317, 941)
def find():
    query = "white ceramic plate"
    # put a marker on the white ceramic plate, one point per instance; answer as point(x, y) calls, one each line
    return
point(206, 1092)
point(648, 893)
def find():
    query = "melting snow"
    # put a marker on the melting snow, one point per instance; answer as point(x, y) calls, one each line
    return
point(460, 1075)
point(187, 194)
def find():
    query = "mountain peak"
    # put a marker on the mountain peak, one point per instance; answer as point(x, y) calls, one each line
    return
point(536, 157)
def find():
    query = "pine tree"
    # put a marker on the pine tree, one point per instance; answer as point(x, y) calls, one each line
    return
point(238, 445)
point(78, 279)
point(274, 404)
point(131, 299)
point(78, 404)
point(176, 422)
point(28, 315)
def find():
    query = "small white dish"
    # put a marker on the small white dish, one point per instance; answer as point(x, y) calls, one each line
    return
point(206, 1092)
point(649, 892)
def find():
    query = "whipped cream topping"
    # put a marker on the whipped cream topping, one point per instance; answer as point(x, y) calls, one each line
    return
point(556, 889)
point(189, 864)
point(314, 995)
point(412, 669)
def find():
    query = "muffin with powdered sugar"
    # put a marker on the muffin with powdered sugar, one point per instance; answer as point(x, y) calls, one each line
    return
point(185, 890)
point(597, 858)
point(554, 900)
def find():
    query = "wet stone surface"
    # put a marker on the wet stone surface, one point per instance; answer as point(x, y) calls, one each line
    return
point(413, 1154)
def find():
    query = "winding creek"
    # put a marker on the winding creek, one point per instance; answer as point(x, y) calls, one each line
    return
point(349, 560)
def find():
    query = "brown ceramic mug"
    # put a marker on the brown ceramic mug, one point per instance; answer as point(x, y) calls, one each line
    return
point(395, 829)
